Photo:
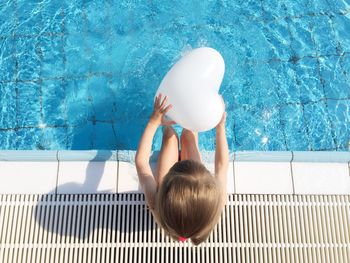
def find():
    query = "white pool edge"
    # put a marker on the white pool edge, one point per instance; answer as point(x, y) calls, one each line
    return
point(113, 171)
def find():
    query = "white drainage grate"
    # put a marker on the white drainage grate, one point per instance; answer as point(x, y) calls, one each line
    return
point(119, 228)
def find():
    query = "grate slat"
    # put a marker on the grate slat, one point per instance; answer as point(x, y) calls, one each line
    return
point(120, 228)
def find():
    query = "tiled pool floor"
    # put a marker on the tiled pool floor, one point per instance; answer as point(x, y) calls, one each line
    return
point(82, 74)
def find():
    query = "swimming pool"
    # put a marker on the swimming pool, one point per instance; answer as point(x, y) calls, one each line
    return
point(82, 74)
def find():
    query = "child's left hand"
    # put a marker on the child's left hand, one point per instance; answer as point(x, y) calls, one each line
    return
point(159, 110)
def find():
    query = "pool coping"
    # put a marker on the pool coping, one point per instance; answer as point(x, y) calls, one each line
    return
point(207, 156)
point(114, 171)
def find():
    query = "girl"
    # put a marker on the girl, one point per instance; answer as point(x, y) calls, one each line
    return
point(184, 198)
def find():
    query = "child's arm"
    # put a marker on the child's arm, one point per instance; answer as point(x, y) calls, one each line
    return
point(143, 168)
point(147, 181)
point(221, 153)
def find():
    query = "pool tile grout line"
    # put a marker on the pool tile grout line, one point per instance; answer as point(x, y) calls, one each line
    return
point(16, 65)
point(112, 121)
point(117, 160)
point(234, 173)
point(39, 53)
point(117, 183)
point(322, 81)
point(291, 172)
point(64, 81)
point(91, 74)
point(58, 172)
point(342, 12)
point(297, 81)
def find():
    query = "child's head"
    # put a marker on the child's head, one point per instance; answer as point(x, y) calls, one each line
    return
point(189, 201)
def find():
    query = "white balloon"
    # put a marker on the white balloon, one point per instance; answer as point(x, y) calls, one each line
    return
point(192, 86)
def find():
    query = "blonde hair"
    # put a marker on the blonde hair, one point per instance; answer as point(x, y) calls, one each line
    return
point(189, 201)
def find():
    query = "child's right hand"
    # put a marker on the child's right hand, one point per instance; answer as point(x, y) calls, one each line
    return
point(222, 121)
point(223, 118)
point(159, 110)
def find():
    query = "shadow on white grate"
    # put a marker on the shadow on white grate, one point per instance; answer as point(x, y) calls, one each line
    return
point(119, 228)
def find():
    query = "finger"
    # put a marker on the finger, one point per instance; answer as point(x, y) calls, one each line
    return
point(158, 99)
point(164, 102)
point(167, 108)
point(155, 102)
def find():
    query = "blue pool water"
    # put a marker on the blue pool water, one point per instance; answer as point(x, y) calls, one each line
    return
point(82, 74)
